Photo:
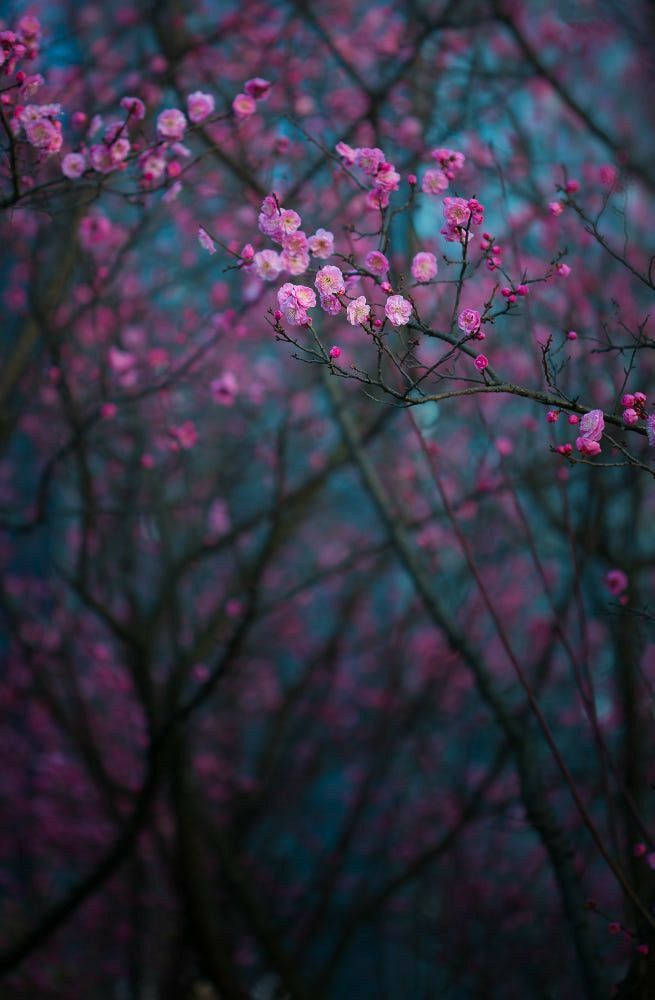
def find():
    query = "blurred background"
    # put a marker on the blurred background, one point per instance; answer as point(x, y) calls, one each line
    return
point(282, 658)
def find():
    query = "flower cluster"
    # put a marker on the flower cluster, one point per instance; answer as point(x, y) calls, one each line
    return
point(592, 426)
point(436, 180)
point(41, 126)
point(459, 215)
point(282, 225)
point(383, 176)
point(18, 45)
point(294, 301)
point(634, 408)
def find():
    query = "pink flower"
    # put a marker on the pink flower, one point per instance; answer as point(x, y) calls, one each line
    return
point(347, 153)
point(185, 436)
point(587, 447)
point(244, 106)
point(268, 264)
point(329, 281)
point(44, 134)
point(397, 310)
point(289, 221)
point(171, 124)
point(424, 267)
point(257, 88)
point(358, 311)
point(481, 362)
point(294, 263)
point(294, 301)
point(335, 352)
point(555, 208)
point(369, 160)
point(377, 263)
point(330, 304)
point(321, 243)
point(387, 178)
point(205, 240)
point(224, 389)
point(450, 161)
point(135, 108)
point(123, 364)
point(469, 321)
point(73, 165)
point(616, 582)
point(563, 270)
point(100, 158)
point(295, 242)
point(434, 182)
point(650, 429)
point(592, 425)
point(630, 417)
point(199, 106)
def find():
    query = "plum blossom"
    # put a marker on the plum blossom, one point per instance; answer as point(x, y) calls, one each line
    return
point(592, 425)
point(329, 281)
point(199, 106)
point(257, 88)
point(294, 263)
point(481, 362)
point(321, 243)
point(434, 182)
point(267, 264)
point(171, 124)
point(358, 311)
point(369, 160)
point(330, 304)
point(244, 106)
point(469, 321)
point(424, 266)
point(135, 108)
point(377, 263)
point(650, 429)
point(73, 165)
point(184, 436)
point(44, 134)
point(347, 153)
point(587, 447)
point(616, 581)
point(450, 161)
point(224, 389)
point(397, 310)
point(205, 240)
point(294, 302)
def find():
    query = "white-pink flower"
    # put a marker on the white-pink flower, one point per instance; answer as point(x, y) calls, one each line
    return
point(294, 302)
point(397, 310)
point(171, 124)
point(321, 243)
point(73, 165)
point(424, 266)
point(377, 263)
point(267, 264)
point(329, 281)
point(199, 106)
point(358, 311)
point(592, 425)
point(434, 181)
